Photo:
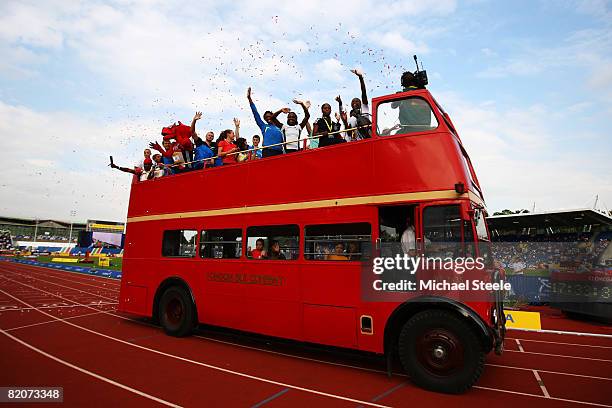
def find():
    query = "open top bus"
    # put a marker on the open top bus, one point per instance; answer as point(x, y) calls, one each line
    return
point(190, 237)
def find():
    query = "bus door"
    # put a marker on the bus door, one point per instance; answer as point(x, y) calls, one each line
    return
point(398, 234)
point(330, 280)
point(398, 230)
point(443, 244)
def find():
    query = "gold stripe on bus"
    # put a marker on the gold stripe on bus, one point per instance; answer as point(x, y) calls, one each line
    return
point(338, 202)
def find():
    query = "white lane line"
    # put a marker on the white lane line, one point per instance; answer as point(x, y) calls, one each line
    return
point(300, 357)
point(213, 367)
point(50, 321)
point(48, 275)
point(559, 342)
point(58, 306)
point(67, 287)
point(559, 355)
point(518, 343)
point(541, 383)
point(595, 404)
point(87, 372)
point(63, 278)
point(608, 336)
point(550, 372)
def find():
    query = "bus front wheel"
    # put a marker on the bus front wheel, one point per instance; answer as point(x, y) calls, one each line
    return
point(441, 352)
point(176, 312)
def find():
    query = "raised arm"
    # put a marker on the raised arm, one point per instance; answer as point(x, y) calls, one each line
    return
point(306, 115)
point(275, 120)
point(364, 94)
point(194, 135)
point(339, 100)
point(258, 120)
point(237, 127)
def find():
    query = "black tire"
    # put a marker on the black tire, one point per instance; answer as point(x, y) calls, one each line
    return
point(440, 352)
point(176, 312)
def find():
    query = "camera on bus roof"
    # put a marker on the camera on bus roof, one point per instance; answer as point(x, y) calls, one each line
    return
point(417, 78)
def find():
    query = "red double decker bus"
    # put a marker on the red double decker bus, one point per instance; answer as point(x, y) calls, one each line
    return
point(194, 240)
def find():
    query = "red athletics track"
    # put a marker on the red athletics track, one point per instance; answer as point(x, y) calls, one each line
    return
point(61, 329)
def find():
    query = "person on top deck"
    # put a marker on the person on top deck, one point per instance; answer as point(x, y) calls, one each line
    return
point(291, 131)
point(325, 125)
point(147, 172)
point(271, 133)
point(360, 112)
point(158, 163)
point(147, 155)
point(414, 113)
point(171, 155)
point(202, 150)
point(226, 145)
point(256, 154)
point(243, 148)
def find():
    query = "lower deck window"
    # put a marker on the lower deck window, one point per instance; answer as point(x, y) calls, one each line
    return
point(338, 242)
point(179, 243)
point(221, 243)
point(275, 242)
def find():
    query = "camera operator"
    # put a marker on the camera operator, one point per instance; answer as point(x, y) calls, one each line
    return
point(414, 112)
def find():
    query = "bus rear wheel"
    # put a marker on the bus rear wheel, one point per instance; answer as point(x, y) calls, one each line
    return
point(440, 352)
point(176, 312)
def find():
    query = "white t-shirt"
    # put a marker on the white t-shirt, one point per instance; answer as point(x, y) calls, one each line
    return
point(408, 240)
point(292, 134)
point(352, 121)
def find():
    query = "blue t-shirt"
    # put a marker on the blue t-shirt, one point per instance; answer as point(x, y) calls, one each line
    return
point(257, 152)
point(271, 133)
point(201, 152)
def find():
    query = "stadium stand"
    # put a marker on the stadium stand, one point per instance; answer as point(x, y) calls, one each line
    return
point(6, 242)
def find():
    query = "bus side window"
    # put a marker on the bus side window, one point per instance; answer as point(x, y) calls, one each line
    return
point(221, 243)
point(179, 243)
point(338, 242)
point(280, 242)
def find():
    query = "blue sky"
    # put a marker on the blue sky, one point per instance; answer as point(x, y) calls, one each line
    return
point(528, 84)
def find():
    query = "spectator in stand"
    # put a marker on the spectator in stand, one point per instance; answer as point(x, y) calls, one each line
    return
point(226, 145)
point(146, 173)
point(274, 252)
point(291, 131)
point(360, 111)
point(325, 125)
point(258, 252)
point(271, 133)
point(257, 153)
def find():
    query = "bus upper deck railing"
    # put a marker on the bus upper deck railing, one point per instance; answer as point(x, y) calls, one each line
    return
point(212, 159)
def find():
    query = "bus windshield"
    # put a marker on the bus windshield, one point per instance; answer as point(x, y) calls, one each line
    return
point(405, 116)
